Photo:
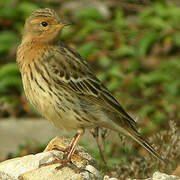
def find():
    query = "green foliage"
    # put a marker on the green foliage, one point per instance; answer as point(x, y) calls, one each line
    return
point(161, 16)
point(88, 49)
point(10, 77)
point(146, 42)
point(10, 87)
point(7, 41)
point(104, 61)
point(88, 13)
point(119, 22)
point(89, 26)
point(176, 39)
point(18, 10)
point(124, 51)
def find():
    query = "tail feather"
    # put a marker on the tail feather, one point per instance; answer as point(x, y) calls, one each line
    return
point(138, 138)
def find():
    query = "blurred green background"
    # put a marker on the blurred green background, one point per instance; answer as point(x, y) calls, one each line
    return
point(133, 46)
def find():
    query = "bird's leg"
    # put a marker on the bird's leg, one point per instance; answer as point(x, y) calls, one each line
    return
point(70, 150)
point(74, 144)
point(66, 150)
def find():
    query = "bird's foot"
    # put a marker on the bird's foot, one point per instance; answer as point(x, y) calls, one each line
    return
point(56, 160)
point(70, 164)
point(65, 163)
point(58, 148)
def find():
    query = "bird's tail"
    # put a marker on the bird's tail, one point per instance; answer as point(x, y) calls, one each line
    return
point(138, 138)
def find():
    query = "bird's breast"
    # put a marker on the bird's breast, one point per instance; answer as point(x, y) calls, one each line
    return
point(30, 62)
point(29, 52)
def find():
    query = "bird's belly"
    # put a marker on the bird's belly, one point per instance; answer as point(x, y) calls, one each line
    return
point(60, 113)
point(61, 117)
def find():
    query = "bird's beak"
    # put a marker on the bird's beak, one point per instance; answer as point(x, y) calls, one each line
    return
point(62, 24)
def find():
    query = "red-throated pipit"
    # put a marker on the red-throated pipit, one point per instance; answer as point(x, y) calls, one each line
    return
point(63, 88)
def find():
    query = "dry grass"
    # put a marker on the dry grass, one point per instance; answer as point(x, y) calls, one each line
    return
point(137, 166)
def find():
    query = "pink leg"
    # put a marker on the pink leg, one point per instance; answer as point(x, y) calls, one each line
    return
point(56, 147)
point(73, 145)
point(70, 150)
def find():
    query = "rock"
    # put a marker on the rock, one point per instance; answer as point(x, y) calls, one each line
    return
point(5, 176)
point(39, 166)
point(108, 178)
point(163, 176)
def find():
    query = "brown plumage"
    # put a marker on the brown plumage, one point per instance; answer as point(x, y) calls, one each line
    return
point(63, 88)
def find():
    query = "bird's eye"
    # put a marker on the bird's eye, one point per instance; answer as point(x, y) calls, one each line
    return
point(44, 24)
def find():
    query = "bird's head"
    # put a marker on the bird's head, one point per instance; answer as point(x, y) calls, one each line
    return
point(43, 26)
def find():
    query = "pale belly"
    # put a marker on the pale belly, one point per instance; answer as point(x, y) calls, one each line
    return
point(61, 113)
point(66, 112)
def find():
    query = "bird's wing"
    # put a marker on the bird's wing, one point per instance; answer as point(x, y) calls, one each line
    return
point(71, 72)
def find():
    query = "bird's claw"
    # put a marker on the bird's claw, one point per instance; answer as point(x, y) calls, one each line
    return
point(58, 148)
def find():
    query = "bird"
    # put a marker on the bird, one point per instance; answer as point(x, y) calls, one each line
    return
point(61, 85)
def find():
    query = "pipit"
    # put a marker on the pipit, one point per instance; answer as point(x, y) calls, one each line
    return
point(63, 88)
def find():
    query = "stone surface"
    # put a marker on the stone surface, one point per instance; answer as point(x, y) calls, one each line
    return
point(108, 178)
point(163, 176)
point(39, 166)
point(4, 176)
